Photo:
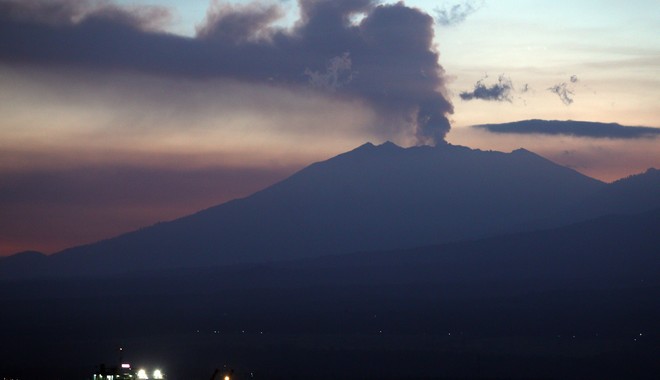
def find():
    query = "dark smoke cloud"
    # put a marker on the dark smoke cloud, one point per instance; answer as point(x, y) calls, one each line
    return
point(387, 60)
point(59, 13)
point(455, 14)
point(498, 92)
point(338, 73)
point(564, 90)
point(573, 128)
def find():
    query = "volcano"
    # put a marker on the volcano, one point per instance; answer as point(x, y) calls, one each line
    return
point(372, 198)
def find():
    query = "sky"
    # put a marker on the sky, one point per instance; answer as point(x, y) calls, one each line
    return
point(119, 114)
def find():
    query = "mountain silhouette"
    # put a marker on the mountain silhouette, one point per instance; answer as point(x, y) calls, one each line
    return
point(633, 194)
point(605, 252)
point(371, 198)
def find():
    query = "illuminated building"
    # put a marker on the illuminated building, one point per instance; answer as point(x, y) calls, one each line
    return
point(125, 372)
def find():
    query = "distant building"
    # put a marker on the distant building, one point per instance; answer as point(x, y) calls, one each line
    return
point(125, 372)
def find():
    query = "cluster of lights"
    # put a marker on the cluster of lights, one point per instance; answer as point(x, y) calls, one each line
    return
point(156, 375)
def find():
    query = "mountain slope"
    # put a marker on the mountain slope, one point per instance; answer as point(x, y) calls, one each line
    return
point(633, 194)
point(372, 198)
point(610, 251)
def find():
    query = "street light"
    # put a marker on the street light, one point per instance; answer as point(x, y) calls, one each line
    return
point(142, 374)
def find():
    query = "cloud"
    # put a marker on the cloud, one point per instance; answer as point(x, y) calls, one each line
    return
point(565, 90)
point(125, 117)
point(498, 92)
point(573, 128)
point(59, 13)
point(386, 61)
point(457, 13)
point(337, 74)
point(239, 24)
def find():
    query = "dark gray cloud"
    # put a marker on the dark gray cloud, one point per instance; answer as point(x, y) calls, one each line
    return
point(456, 13)
point(338, 73)
point(565, 90)
point(59, 13)
point(387, 60)
point(498, 92)
point(573, 128)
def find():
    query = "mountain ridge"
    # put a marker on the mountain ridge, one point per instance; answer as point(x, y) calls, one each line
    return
point(370, 198)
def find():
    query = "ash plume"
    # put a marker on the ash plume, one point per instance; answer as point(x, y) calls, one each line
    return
point(386, 61)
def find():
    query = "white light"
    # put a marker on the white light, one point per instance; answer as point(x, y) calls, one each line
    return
point(142, 374)
point(226, 377)
point(125, 365)
point(158, 374)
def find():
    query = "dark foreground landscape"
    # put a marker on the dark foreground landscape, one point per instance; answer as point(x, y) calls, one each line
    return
point(383, 263)
point(382, 330)
point(534, 305)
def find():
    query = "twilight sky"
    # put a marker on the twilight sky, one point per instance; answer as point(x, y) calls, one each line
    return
point(116, 115)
